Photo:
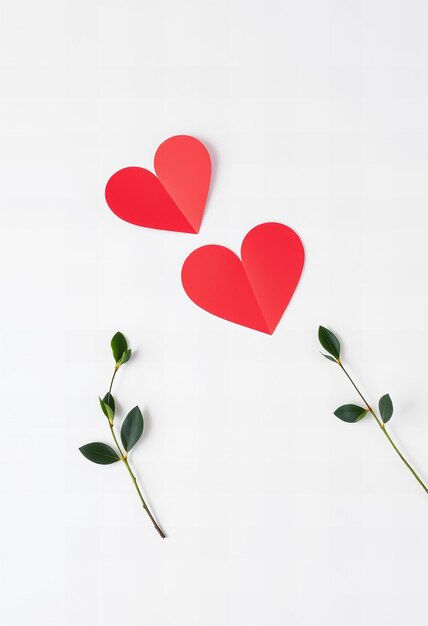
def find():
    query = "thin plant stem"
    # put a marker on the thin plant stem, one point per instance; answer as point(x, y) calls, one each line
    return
point(112, 378)
point(369, 408)
point(116, 441)
point(124, 458)
point(383, 428)
point(143, 502)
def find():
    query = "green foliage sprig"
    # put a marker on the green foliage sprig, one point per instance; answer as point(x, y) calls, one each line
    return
point(130, 433)
point(352, 413)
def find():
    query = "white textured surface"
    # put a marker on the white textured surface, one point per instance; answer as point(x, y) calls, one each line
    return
point(277, 513)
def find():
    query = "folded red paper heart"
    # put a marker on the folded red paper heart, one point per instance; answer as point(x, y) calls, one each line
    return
point(175, 198)
point(254, 291)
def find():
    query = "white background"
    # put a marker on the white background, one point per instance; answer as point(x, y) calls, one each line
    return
point(315, 114)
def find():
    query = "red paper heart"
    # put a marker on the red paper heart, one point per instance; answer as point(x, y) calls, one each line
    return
point(253, 292)
point(175, 199)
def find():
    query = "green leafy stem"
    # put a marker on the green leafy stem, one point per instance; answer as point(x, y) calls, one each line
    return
point(352, 413)
point(130, 433)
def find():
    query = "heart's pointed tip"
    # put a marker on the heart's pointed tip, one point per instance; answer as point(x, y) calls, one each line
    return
point(268, 331)
point(194, 225)
point(192, 230)
point(264, 331)
point(273, 327)
point(260, 328)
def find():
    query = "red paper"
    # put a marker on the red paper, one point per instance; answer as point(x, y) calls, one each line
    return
point(175, 198)
point(253, 292)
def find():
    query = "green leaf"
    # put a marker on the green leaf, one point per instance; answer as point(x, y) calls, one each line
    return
point(350, 413)
point(107, 410)
point(330, 358)
point(109, 400)
point(99, 453)
point(385, 407)
point(125, 357)
point(118, 346)
point(329, 341)
point(132, 428)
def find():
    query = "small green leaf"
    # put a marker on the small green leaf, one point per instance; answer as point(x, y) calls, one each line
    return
point(350, 413)
point(125, 357)
point(107, 410)
point(99, 453)
point(132, 428)
point(330, 358)
point(109, 400)
point(329, 341)
point(118, 346)
point(385, 407)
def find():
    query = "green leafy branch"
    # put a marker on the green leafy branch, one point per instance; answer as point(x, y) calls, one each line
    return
point(352, 413)
point(130, 433)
